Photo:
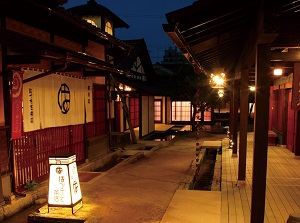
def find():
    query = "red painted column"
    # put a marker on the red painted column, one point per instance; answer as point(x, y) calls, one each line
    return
point(296, 107)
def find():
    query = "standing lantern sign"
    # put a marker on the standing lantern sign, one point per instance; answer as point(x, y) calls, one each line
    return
point(64, 186)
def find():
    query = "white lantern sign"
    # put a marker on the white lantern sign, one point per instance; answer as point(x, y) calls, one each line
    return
point(64, 186)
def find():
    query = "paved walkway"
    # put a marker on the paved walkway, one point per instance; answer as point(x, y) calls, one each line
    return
point(282, 188)
point(151, 188)
point(138, 190)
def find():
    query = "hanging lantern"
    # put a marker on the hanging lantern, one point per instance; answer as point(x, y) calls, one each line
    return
point(217, 78)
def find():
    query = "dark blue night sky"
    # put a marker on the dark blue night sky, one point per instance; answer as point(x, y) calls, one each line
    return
point(145, 19)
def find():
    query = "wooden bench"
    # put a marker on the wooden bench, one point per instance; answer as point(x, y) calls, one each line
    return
point(272, 138)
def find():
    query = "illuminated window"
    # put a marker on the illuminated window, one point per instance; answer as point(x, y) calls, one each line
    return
point(157, 111)
point(207, 115)
point(108, 28)
point(91, 21)
point(181, 111)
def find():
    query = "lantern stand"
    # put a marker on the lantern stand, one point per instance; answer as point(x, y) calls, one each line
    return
point(64, 186)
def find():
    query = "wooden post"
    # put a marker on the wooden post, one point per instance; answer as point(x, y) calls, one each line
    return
point(231, 113)
point(296, 107)
point(261, 120)
point(297, 135)
point(235, 117)
point(243, 127)
point(126, 110)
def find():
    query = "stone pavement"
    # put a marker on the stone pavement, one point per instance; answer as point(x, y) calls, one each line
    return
point(141, 188)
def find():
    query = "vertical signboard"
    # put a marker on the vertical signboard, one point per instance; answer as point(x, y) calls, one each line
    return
point(64, 185)
point(16, 105)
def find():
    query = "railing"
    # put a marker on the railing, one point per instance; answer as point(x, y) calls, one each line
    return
point(31, 152)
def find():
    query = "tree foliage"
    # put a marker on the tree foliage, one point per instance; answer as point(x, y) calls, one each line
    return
point(186, 85)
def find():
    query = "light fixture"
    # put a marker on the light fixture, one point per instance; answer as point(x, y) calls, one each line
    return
point(277, 71)
point(221, 93)
point(217, 78)
point(64, 187)
point(252, 88)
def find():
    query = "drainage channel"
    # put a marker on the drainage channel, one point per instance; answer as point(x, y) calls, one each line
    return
point(204, 175)
point(112, 163)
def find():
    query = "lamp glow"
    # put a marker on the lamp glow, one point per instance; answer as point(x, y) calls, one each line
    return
point(277, 72)
point(252, 88)
point(217, 78)
point(221, 93)
point(64, 186)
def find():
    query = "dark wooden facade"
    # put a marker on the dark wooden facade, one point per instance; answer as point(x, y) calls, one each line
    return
point(248, 38)
point(52, 40)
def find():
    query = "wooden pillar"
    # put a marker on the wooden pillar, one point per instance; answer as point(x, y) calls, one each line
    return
point(243, 127)
point(261, 119)
point(296, 107)
point(235, 116)
point(297, 133)
point(231, 112)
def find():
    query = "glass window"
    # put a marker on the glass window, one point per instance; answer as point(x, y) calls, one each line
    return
point(181, 110)
point(207, 115)
point(158, 111)
point(91, 21)
point(108, 28)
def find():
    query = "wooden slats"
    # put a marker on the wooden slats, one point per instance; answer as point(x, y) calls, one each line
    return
point(282, 189)
point(31, 152)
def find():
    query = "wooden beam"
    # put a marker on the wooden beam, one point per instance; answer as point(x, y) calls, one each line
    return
point(126, 109)
point(247, 58)
point(23, 59)
point(290, 56)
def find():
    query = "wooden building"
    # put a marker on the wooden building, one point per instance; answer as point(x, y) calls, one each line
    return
point(58, 76)
point(248, 40)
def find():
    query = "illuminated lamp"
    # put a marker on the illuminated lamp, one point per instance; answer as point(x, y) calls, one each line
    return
point(217, 78)
point(64, 186)
point(221, 93)
point(277, 72)
point(252, 88)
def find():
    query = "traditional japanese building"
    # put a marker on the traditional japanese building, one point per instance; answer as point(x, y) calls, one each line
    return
point(59, 77)
point(249, 41)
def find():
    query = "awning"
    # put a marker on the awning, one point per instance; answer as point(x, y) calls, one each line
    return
point(225, 33)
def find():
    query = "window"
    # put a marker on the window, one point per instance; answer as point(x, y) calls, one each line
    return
point(91, 21)
point(181, 111)
point(108, 28)
point(207, 116)
point(158, 111)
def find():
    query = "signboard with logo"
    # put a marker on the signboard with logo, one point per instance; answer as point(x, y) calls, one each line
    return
point(64, 186)
point(56, 100)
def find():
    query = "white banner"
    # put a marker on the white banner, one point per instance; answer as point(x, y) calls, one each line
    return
point(56, 100)
point(88, 99)
point(31, 106)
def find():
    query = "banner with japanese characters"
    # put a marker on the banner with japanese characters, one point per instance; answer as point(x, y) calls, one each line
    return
point(56, 100)
point(88, 100)
point(16, 104)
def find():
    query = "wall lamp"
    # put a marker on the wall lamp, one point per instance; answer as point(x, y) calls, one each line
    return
point(252, 88)
point(277, 71)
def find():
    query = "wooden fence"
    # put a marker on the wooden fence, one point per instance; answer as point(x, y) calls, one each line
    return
point(31, 152)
